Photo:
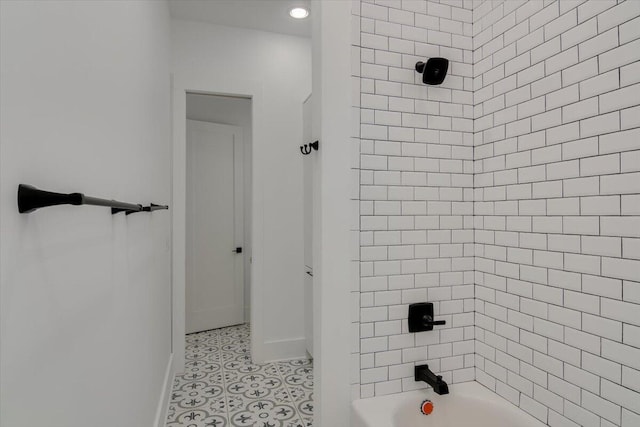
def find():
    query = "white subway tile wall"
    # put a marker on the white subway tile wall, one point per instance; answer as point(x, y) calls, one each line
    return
point(415, 198)
point(557, 200)
point(509, 196)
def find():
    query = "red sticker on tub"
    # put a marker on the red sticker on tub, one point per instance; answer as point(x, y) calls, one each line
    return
point(426, 407)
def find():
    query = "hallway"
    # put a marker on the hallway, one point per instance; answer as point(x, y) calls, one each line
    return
point(221, 387)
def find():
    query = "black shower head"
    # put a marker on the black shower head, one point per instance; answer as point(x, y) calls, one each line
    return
point(433, 71)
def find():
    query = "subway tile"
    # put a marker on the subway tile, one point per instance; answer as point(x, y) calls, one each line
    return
point(620, 226)
point(580, 110)
point(562, 61)
point(582, 378)
point(555, 419)
point(601, 165)
point(581, 186)
point(545, 50)
point(619, 99)
point(623, 354)
point(620, 184)
point(629, 74)
point(619, 56)
point(575, 35)
point(598, 45)
point(400, 16)
point(549, 13)
point(630, 31)
point(602, 83)
point(534, 408)
point(509, 197)
point(579, 72)
point(606, 246)
point(631, 204)
point(631, 248)
point(629, 419)
point(569, 6)
point(601, 124)
point(560, 25)
point(630, 118)
point(558, 98)
point(372, 11)
point(548, 399)
point(564, 389)
point(620, 395)
point(548, 329)
point(602, 327)
point(577, 149)
point(580, 415)
point(621, 311)
point(529, 375)
point(603, 286)
point(565, 316)
point(601, 367)
point(582, 340)
point(617, 15)
point(589, 9)
point(620, 141)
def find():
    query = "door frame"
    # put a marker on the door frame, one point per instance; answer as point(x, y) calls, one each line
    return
point(239, 190)
point(181, 84)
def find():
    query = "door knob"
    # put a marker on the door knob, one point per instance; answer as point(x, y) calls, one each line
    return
point(237, 250)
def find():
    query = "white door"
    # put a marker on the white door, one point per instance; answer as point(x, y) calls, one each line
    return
point(214, 270)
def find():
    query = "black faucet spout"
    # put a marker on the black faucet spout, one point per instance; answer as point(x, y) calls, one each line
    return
point(423, 373)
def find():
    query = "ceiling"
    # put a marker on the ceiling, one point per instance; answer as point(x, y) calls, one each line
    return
point(265, 15)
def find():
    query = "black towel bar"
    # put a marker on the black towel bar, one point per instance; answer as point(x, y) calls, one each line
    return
point(31, 198)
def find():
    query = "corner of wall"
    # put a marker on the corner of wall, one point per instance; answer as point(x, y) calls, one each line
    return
point(165, 394)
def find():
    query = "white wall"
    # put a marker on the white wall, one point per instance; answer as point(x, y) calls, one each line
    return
point(85, 296)
point(280, 66)
point(231, 111)
point(331, 238)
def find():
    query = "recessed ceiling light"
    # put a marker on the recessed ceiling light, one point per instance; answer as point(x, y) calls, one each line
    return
point(299, 13)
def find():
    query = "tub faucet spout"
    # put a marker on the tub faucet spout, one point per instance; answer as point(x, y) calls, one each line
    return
point(423, 373)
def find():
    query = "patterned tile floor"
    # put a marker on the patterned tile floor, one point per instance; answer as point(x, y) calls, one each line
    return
point(221, 386)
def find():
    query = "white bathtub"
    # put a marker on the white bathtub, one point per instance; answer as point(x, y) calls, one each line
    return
point(467, 404)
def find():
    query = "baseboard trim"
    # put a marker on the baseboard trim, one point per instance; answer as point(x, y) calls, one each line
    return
point(285, 349)
point(165, 396)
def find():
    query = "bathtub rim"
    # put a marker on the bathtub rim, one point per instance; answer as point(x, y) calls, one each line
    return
point(367, 413)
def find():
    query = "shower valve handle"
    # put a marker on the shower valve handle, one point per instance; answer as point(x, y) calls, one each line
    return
point(428, 321)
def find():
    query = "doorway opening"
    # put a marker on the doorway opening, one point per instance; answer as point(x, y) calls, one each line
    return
point(218, 211)
point(286, 71)
point(223, 382)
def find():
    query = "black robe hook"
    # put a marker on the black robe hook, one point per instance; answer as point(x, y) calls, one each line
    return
point(307, 148)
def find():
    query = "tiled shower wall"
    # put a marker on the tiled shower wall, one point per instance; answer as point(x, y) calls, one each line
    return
point(415, 192)
point(556, 217)
point(557, 207)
